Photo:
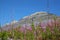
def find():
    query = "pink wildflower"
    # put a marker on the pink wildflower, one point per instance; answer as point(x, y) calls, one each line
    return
point(43, 25)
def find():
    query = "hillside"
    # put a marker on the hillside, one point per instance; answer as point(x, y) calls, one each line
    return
point(36, 18)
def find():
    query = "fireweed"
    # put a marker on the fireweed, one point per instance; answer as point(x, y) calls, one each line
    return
point(49, 30)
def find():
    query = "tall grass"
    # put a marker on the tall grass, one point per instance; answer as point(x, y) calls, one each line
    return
point(50, 32)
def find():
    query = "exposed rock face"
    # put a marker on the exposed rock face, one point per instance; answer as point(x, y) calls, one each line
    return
point(36, 18)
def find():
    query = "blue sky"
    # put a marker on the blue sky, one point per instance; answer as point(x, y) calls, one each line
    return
point(20, 8)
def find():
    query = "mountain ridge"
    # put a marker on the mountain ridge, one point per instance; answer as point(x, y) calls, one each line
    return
point(36, 18)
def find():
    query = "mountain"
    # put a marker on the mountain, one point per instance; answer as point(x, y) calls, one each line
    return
point(36, 18)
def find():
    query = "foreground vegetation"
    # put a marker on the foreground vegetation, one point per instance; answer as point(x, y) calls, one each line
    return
point(49, 32)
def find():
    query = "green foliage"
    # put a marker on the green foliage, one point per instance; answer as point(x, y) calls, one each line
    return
point(30, 35)
point(4, 35)
point(56, 33)
point(33, 28)
point(0, 34)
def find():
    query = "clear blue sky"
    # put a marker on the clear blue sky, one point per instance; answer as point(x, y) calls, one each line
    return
point(20, 8)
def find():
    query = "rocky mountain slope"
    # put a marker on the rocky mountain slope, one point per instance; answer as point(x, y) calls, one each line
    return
point(36, 18)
